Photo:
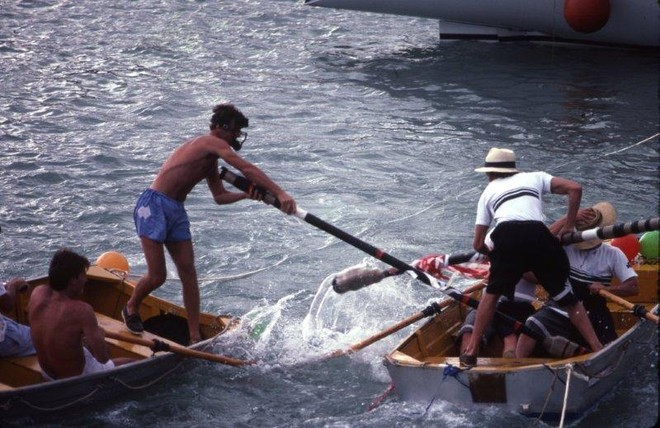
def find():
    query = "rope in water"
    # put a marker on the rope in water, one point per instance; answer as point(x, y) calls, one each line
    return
point(646, 140)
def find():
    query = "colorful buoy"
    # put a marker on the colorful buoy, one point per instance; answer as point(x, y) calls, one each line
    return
point(112, 260)
point(587, 16)
point(628, 244)
point(649, 243)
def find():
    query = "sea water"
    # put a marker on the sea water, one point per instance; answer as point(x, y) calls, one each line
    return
point(367, 120)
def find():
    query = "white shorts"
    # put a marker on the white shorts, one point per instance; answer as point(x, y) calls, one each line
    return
point(91, 366)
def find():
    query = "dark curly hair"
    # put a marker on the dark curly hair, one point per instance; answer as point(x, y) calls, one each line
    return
point(224, 114)
point(65, 265)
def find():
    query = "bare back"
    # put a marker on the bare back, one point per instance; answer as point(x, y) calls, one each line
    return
point(190, 163)
point(58, 324)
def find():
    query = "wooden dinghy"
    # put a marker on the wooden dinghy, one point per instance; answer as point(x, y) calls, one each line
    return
point(425, 366)
point(24, 394)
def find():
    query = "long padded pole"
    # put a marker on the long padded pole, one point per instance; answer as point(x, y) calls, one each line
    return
point(247, 186)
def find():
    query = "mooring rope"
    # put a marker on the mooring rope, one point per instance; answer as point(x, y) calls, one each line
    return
point(569, 370)
point(449, 370)
point(64, 406)
point(633, 145)
point(645, 140)
point(148, 384)
point(550, 390)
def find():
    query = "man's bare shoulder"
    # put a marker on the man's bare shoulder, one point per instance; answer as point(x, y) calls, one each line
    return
point(80, 307)
point(39, 294)
point(200, 147)
point(207, 140)
point(78, 312)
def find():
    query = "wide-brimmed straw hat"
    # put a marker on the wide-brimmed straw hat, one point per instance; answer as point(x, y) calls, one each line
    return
point(499, 160)
point(605, 216)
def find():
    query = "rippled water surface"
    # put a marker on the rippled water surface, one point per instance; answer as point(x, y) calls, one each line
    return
point(367, 120)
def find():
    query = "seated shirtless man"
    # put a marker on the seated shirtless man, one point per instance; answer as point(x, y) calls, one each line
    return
point(64, 329)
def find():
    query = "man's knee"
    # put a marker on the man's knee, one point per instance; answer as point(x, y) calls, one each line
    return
point(153, 280)
point(186, 270)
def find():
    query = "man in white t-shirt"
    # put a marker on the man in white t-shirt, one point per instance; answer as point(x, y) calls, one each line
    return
point(593, 267)
point(15, 338)
point(520, 242)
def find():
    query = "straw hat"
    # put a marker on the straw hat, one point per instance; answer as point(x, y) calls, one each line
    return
point(499, 160)
point(605, 216)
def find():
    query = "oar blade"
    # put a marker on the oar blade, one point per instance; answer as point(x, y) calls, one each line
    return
point(355, 278)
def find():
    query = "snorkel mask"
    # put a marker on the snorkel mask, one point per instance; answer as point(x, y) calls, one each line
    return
point(239, 138)
point(235, 144)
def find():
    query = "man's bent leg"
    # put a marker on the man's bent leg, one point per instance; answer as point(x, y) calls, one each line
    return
point(579, 318)
point(510, 342)
point(485, 313)
point(184, 259)
point(525, 346)
point(154, 278)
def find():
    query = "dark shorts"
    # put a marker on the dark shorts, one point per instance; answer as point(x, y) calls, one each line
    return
point(548, 322)
point(520, 311)
point(161, 218)
point(523, 246)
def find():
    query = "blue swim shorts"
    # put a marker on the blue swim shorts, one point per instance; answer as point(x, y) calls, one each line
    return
point(161, 218)
point(16, 341)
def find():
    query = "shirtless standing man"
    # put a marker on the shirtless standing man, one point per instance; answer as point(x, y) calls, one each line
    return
point(60, 321)
point(161, 220)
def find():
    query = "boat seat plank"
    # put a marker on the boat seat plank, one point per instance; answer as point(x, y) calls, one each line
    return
point(30, 362)
point(20, 370)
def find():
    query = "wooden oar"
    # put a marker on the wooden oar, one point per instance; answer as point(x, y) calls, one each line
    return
point(432, 309)
point(559, 346)
point(638, 310)
point(159, 345)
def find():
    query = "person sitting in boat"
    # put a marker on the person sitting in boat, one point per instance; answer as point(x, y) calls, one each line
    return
point(15, 338)
point(60, 322)
point(521, 242)
point(593, 267)
point(519, 308)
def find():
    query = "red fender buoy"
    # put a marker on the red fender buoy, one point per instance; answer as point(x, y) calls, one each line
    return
point(628, 244)
point(587, 16)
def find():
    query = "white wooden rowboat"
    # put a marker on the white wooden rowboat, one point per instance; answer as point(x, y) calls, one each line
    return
point(425, 366)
